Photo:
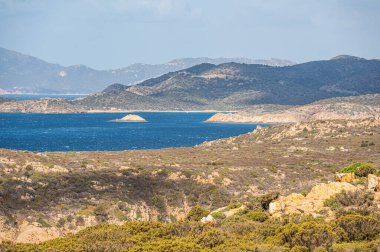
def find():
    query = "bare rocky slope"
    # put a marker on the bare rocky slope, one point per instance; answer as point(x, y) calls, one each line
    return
point(50, 194)
point(355, 107)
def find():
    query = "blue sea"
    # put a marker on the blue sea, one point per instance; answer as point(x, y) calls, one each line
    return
point(95, 132)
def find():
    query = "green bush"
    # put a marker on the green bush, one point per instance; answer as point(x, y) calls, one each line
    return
point(197, 213)
point(234, 205)
point(240, 226)
point(320, 249)
point(359, 227)
point(365, 169)
point(268, 236)
point(309, 234)
point(43, 222)
point(218, 215)
point(241, 212)
point(299, 249)
point(29, 167)
point(332, 203)
point(211, 239)
point(360, 169)
point(357, 198)
point(257, 216)
point(101, 213)
point(80, 221)
point(61, 222)
point(353, 247)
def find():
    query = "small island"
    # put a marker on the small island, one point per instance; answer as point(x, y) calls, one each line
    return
point(130, 118)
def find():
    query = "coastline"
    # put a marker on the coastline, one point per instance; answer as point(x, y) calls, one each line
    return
point(119, 111)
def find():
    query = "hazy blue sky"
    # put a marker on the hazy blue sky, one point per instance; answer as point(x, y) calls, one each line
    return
point(113, 33)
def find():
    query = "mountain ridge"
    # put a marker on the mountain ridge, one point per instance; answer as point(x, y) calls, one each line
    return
point(234, 86)
point(32, 75)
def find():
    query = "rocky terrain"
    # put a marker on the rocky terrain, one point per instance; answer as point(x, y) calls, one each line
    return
point(22, 73)
point(51, 194)
point(355, 107)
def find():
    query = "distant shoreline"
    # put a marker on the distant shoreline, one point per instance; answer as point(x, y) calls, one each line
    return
point(124, 111)
point(26, 94)
point(163, 111)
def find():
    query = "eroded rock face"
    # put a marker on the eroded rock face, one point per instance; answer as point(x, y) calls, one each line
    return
point(130, 118)
point(34, 233)
point(312, 203)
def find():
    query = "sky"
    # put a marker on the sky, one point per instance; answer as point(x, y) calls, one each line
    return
point(106, 34)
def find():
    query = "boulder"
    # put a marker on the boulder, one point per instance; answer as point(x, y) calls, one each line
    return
point(373, 182)
point(286, 204)
point(325, 191)
point(311, 204)
point(208, 219)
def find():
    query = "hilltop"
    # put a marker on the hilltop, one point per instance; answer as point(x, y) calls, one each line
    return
point(233, 86)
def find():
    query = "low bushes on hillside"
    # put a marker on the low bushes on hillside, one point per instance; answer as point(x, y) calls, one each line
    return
point(360, 169)
point(197, 213)
point(359, 227)
point(235, 233)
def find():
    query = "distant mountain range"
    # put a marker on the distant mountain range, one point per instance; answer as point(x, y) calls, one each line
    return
point(236, 86)
point(21, 73)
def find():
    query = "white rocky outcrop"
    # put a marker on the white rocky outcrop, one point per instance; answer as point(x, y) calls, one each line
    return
point(130, 118)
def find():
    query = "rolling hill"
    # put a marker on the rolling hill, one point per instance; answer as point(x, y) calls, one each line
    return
point(232, 86)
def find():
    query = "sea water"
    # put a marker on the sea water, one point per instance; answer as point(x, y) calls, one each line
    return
point(96, 132)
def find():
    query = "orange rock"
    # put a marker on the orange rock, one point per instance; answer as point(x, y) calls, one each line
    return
point(345, 177)
point(312, 203)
